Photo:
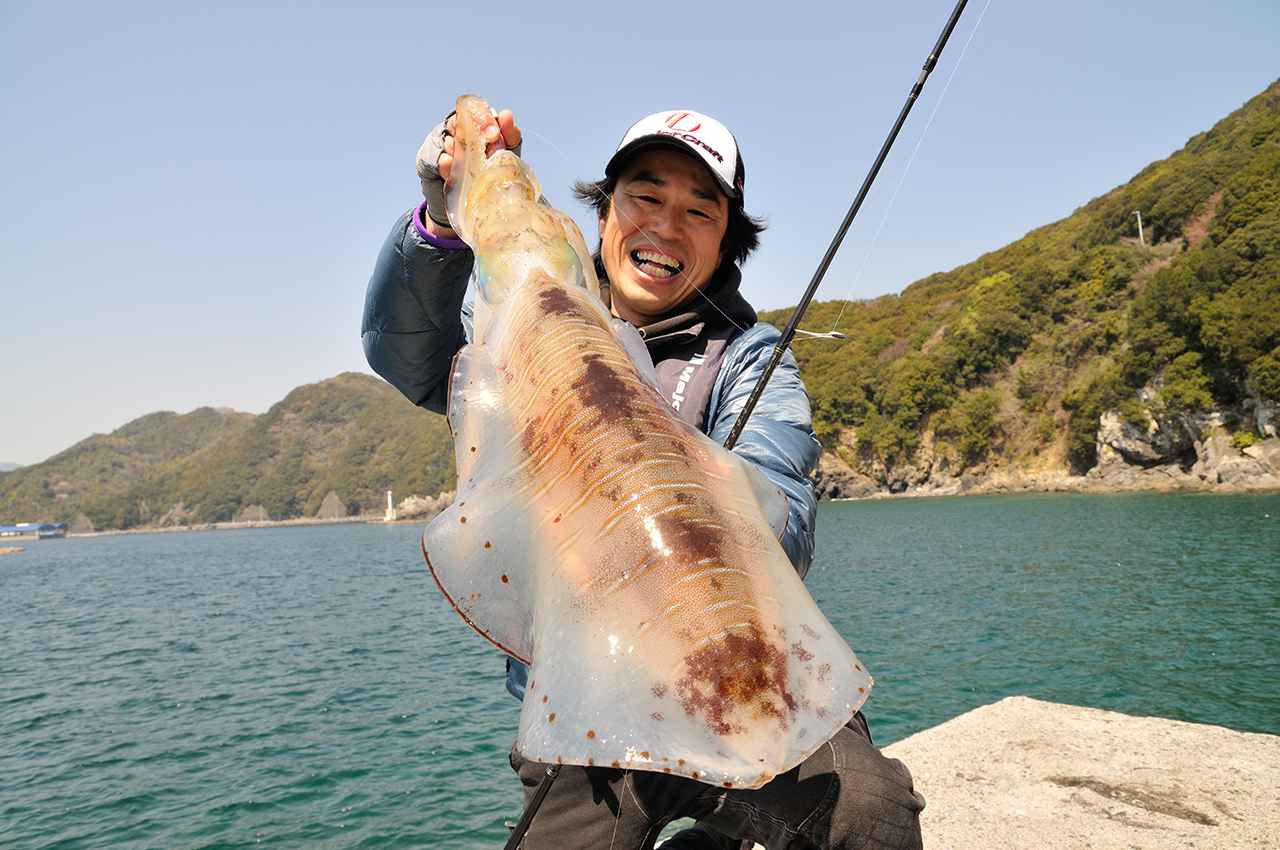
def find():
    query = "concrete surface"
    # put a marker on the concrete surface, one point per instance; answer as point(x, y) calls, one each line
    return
point(1021, 773)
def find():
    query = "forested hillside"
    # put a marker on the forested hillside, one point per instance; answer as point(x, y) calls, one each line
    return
point(353, 435)
point(1012, 359)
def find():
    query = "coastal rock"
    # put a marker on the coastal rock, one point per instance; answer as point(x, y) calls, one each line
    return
point(1120, 476)
point(1266, 452)
point(918, 471)
point(1242, 471)
point(332, 507)
point(1024, 773)
point(1159, 441)
point(1220, 462)
point(253, 513)
point(835, 479)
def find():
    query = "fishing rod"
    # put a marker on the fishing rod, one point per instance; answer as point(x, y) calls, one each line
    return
point(789, 333)
point(526, 819)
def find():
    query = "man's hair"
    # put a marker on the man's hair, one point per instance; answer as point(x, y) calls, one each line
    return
point(741, 237)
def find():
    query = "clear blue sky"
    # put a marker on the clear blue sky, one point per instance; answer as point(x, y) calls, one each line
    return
point(194, 194)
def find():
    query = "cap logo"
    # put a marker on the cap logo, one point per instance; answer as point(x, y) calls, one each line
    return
point(677, 121)
point(691, 139)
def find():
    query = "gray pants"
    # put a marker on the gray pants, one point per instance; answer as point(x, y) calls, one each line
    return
point(846, 795)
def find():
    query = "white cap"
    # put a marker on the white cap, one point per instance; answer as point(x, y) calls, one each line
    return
point(692, 132)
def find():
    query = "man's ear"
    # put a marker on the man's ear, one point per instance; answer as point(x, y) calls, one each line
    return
point(600, 225)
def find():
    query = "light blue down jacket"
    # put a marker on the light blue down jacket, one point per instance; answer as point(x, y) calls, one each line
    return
point(417, 315)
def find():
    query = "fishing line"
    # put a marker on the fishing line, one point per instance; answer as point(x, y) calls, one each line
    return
point(857, 278)
point(622, 214)
point(622, 799)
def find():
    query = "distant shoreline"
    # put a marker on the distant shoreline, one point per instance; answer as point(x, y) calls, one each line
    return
point(229, 526)
point(1063, 486)
point(989, 487)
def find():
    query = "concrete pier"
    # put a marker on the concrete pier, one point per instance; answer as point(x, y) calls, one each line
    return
point(1022, 773)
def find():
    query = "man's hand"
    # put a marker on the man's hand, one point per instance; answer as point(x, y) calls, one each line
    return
point(435, 164)
point(502, 133)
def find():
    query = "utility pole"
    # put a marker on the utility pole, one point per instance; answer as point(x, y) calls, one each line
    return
point(1141, 238)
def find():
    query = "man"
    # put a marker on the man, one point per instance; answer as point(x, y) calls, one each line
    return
point(673, 231)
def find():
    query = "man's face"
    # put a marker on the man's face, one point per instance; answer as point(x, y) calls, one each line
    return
point(660, 240)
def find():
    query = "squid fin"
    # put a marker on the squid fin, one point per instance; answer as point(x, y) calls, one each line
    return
point(477, 547)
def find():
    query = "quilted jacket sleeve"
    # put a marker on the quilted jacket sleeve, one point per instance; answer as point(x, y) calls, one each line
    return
point(413, 322)
point(779, 436)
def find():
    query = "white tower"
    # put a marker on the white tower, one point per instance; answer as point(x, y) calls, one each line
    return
point(390, 515)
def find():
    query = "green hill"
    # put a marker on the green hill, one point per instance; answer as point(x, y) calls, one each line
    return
point(1010, 361)
point(103, 468)
point(352, 434)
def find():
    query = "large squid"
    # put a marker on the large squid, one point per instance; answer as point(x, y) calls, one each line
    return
point(630, 560)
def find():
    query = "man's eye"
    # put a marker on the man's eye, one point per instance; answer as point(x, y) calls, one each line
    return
point(648, 199)
point(699, 214)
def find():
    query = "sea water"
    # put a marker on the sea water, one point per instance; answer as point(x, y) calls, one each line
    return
point(308, 687)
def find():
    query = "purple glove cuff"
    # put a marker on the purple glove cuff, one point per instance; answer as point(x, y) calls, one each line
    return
point(432, 239)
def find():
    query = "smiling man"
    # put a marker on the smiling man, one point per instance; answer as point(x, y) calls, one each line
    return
point(673, 234)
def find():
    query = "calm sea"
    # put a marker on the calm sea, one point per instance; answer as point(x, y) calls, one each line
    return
point(307, 687)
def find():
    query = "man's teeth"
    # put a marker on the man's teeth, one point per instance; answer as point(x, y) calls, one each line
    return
point(659, 265)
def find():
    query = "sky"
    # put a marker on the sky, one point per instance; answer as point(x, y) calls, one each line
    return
point(194, 194)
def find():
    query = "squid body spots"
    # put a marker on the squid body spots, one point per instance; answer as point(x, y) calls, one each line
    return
point(505, 579)
point(555, 299)
point(605, 390)
point(551, 718)
point(736, 672)
point(591, 733)
point(488, 545)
